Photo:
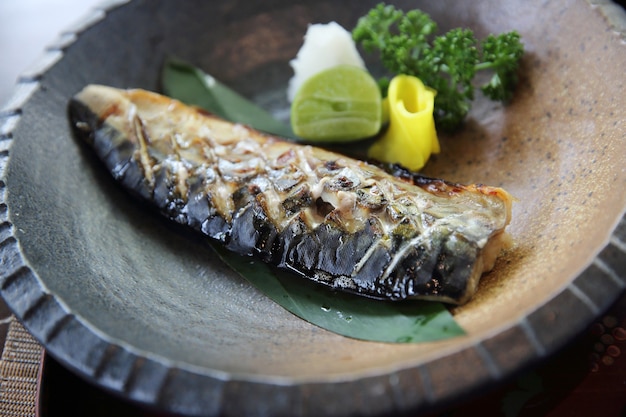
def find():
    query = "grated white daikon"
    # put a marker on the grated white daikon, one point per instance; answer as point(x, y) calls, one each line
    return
point(325, 46)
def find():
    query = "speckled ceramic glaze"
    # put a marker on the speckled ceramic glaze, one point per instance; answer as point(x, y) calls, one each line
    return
point(136, 307)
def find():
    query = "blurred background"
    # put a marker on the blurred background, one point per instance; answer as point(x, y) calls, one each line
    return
point(26, 28)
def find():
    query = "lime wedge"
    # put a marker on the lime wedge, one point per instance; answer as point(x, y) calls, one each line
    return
point(340, 104)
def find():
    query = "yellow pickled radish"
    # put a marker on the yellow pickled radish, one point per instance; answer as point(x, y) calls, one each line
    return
point(339, 104)
point(411, 137)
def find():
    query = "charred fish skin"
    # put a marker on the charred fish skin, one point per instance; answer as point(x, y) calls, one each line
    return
point(337, 221)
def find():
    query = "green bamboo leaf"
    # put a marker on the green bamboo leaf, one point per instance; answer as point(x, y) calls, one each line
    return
point(346, 314)
point(194, 87)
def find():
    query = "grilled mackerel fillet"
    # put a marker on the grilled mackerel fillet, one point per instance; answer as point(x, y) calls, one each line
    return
point(338, 221)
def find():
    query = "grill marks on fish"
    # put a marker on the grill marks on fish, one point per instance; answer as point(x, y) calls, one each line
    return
point(338, 221)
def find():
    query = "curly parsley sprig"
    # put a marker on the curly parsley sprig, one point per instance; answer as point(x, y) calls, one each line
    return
point(447, 63)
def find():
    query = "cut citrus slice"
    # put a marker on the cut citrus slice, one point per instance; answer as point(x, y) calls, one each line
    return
point(342, 103)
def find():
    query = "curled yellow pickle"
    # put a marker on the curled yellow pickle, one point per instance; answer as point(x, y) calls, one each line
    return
point(411, 137)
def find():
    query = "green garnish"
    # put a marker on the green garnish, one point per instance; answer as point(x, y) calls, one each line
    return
point(447, 63)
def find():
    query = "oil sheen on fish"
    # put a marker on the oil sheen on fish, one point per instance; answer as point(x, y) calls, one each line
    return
point(338, 221)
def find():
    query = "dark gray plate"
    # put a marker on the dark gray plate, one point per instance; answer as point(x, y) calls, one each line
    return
point(136, 306)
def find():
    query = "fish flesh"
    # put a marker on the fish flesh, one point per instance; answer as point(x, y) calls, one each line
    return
point(348, 224)
point(344, 223)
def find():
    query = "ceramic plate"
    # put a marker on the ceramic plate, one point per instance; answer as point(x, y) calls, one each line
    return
point(133, 305)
